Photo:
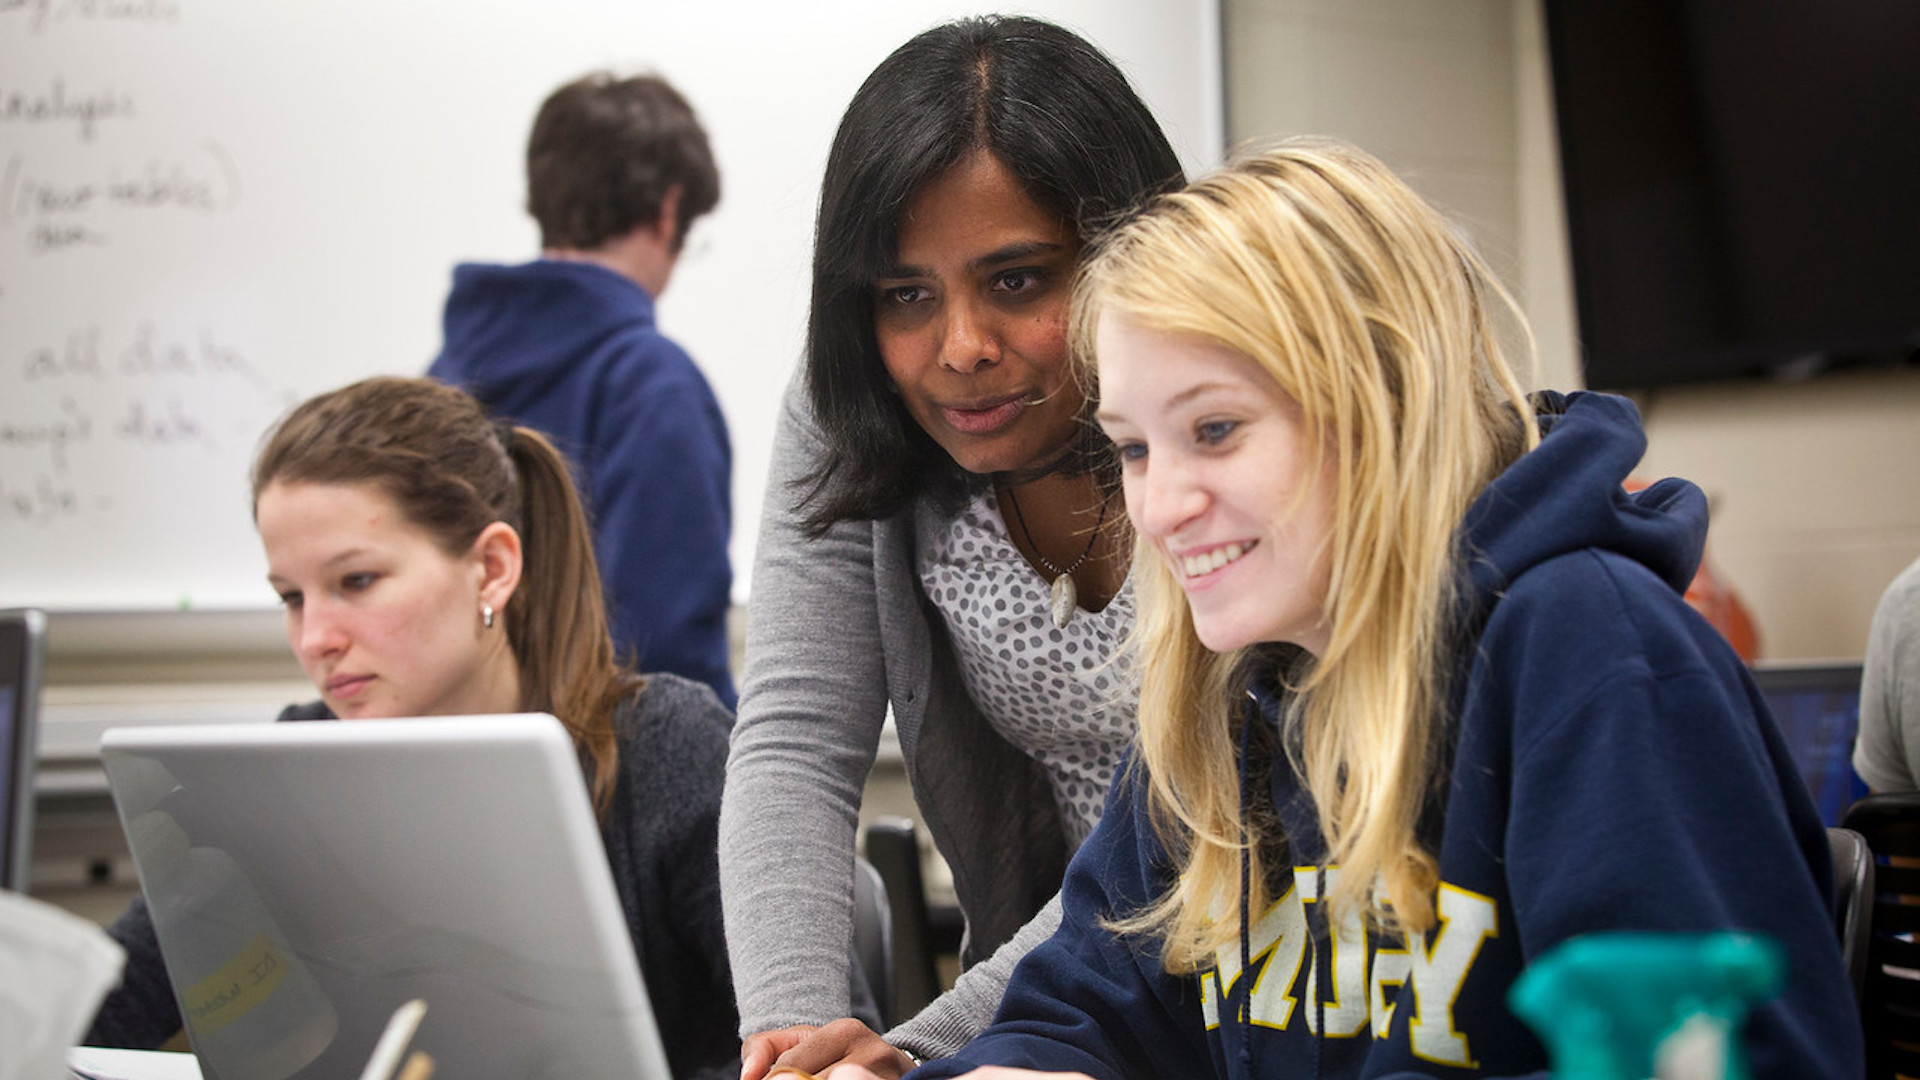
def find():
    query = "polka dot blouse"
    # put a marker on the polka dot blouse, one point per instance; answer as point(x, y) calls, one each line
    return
point(1061, 696)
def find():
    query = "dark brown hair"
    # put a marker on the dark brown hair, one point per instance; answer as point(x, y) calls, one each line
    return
point(453, 471)
point(1057, 113)
point(603, 154)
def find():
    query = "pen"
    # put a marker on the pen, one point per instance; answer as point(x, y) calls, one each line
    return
point(393, 1041)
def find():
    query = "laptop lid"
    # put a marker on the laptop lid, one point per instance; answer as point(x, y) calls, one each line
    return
point(22, 649)
point(307, 879)
point(1817, 707)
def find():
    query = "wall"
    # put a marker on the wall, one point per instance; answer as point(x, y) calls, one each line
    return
point(1815, 504)
point(1814, 512)
point(1427, 85)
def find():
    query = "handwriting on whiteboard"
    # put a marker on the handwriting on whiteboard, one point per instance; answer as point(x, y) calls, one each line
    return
point(62, 211)
point(41, 14)
point(58, 106)
point(89, 400)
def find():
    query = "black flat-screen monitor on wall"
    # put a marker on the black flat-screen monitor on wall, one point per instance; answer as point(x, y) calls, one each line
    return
point(1743, 185)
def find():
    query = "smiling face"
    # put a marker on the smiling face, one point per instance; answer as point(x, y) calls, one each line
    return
point(383, 620)
point(1219, 472)
point(971, 319)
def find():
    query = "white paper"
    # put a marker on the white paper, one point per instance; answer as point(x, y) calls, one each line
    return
point(54, 969)
point(98, 1063)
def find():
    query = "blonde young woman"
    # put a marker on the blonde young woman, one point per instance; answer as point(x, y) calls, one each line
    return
point(1420, 696)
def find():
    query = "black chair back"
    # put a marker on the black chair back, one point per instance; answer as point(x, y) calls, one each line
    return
point(873, 937)
point(893, 847)
point(1853, 902)
point(1891, 1006)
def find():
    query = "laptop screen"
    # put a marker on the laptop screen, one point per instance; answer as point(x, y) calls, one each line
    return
point(306, 879)
point(1818, 709)
point(21, 633)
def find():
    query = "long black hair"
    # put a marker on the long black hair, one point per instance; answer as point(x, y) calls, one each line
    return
point(1056, 112)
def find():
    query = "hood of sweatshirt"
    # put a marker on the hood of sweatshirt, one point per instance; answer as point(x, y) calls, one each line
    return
point(512, 332)
point(1564, 496)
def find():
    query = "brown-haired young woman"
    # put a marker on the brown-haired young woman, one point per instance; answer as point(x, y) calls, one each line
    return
point(433, 562)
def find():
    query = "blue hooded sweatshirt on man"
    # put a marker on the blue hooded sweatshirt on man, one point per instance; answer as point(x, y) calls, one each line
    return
point(1613, 768)
point(571, 350)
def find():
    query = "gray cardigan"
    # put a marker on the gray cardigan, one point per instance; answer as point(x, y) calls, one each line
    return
point(838, 631)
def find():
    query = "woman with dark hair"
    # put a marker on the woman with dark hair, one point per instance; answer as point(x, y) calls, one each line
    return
point(936, 538)
point(433, 562)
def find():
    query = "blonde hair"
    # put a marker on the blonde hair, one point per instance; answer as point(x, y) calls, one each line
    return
point(1368, 308)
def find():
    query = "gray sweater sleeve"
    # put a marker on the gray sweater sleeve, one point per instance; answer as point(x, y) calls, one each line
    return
point(951, 1020)
point(813, 699)
point(1887, 754)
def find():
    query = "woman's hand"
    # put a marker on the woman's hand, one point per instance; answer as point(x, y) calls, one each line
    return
point(818, 1049)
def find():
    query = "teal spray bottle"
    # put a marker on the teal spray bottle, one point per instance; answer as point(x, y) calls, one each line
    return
point(1629, 1006)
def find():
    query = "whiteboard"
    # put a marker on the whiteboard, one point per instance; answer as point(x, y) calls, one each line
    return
point(212, 209)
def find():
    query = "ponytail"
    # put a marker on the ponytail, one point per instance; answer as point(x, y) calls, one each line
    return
point(557, 619)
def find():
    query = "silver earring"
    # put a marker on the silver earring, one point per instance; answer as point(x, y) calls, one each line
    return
point(486, 615)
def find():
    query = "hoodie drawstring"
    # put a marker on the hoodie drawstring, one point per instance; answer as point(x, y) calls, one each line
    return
point(1246, 888)
point(1320, 974)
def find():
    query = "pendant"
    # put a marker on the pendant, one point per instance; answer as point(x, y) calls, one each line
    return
point(1066, 600)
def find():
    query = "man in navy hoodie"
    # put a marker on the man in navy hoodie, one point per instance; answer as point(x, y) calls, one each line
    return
point(617, 171)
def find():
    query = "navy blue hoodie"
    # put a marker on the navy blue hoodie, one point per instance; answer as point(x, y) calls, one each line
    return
point(1613, 768)
point(570, 349)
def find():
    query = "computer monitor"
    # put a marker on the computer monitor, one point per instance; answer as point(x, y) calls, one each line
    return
point(22, 642)
point(1817, 706)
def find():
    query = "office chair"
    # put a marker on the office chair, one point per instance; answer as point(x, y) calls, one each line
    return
point(873, 936)
point(1853, 902)
point(919, 934)
point(1891, 1006)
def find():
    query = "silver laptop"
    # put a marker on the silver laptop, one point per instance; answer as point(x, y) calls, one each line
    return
point(307, 879)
